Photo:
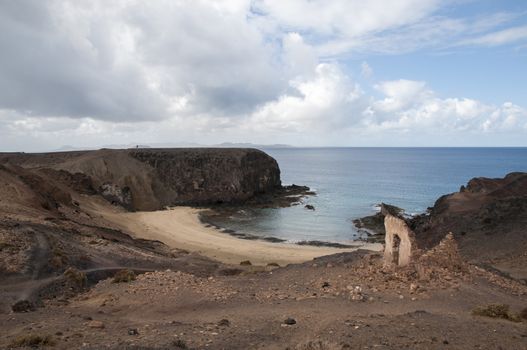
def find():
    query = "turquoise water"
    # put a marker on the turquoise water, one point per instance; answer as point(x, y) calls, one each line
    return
point(350, 181)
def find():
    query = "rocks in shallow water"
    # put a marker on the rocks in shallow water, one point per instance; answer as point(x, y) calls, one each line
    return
point(325, 244)
point(273, 239)
point(23, 306)
point(309, 207)
point(373, 225)
point(245, 263)
point(289, 321)
point(281, 197)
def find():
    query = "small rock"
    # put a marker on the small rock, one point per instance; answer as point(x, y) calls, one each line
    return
point(309, 207)
point(224, 323)
point(289, 321)
point(23, 306)
point(132, 331)
point(96, 324)
point(245, 263)
point(325, 285)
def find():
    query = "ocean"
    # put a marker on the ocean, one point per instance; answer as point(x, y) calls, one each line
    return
point(350, 182)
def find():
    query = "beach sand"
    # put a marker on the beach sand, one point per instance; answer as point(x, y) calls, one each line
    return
point(181, 228)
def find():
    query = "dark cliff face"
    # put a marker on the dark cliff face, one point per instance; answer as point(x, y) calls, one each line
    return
point(210, 176)
point(150, 179)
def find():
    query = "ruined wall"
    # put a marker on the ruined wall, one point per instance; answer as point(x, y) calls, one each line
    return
point(397, 227)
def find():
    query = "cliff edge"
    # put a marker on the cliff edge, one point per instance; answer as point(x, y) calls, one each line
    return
point(488, 218)
point(150, 179)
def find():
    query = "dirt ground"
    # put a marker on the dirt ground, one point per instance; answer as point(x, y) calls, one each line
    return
point(59, 254)
point(332, 301)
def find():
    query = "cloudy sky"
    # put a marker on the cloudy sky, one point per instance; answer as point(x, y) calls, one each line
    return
point(301, 72)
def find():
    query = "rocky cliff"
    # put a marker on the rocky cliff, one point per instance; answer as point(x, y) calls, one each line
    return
point(150, 179)
point(489, 220)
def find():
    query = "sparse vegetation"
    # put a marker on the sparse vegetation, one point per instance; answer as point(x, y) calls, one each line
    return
point(179, 344)
point(124, 276)
point(497, 311)
point(523, 314)
point(321, 345)
point(4, 245)
point(23, 306)
point(32, 341)
point(75, 278)
point(59, 258)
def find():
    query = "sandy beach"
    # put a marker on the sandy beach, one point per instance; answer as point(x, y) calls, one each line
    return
point(180, 227)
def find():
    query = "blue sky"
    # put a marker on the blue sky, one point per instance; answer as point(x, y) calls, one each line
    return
point(306, 73)
point(490, 73)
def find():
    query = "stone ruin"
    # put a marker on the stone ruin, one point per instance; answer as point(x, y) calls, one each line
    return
point(401, 250)
point(400, 240)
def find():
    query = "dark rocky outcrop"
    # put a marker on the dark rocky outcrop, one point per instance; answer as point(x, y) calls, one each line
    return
point(485, 205)
point(373, 225)
point(488, 218)
point(150, 179)
point(209, 176)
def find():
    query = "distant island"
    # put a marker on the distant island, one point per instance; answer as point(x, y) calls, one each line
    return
point(175, 145)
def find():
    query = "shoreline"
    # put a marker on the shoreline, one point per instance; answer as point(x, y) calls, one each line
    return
point(181, 228)
point(205, 220)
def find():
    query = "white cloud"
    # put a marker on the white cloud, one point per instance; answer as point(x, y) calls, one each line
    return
point(299, 58)
point(399, 94)
point(409, 106)
point(332, 101)
point(327, 100)
point(365, 70)
point(345, 17)
point(133, 71)
point(506, 36)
